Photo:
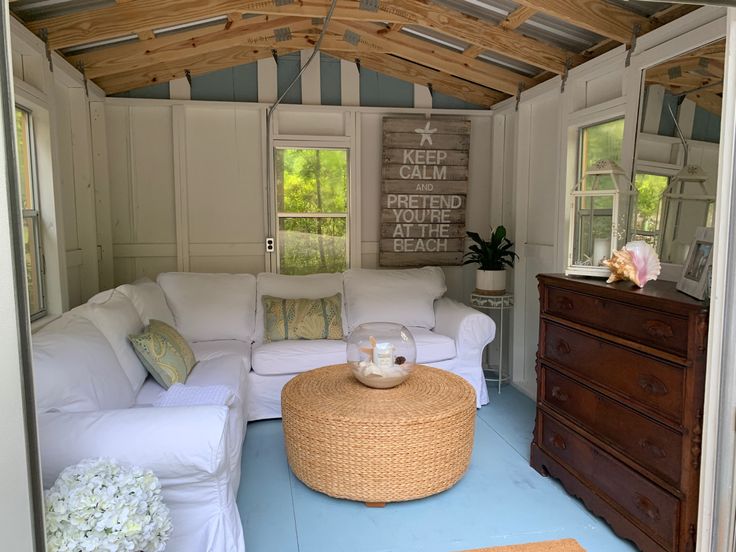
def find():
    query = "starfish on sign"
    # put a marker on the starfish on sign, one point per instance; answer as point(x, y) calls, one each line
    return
point(426, 133)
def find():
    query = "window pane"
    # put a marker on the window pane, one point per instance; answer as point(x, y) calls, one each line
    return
point(310, 245)
point(25, 163)
point(601, 142)
point(33, 270)
point(650, 188)
point(311, 180)
point(593, 231)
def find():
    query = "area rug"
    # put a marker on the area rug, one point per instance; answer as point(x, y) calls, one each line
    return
point(565, 545)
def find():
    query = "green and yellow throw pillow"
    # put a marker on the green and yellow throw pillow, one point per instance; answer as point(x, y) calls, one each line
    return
point(165, 353)
point(302, 318)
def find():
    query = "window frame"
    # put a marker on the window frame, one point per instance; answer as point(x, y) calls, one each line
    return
point(348, 215)
point(35, 215)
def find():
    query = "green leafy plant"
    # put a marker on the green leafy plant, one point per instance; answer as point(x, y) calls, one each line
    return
point(493, 254)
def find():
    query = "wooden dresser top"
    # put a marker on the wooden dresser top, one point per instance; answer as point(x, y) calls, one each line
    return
point(655, 292)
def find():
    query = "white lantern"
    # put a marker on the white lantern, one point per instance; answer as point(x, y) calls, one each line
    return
point(687, 205)
point(600, 206)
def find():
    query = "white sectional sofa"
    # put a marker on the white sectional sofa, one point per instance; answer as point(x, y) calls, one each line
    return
point(94, 397)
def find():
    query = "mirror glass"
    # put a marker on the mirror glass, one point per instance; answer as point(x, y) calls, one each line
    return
point(676, 164)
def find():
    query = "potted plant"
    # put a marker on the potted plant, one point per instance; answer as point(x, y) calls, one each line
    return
point(492, 256)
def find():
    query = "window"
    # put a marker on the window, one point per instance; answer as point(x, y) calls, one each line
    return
point(312, 202)
point(648, 219)
point(31, 214)
point(594, 215)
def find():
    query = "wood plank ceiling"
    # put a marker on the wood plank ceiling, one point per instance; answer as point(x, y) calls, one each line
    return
point(481, 51)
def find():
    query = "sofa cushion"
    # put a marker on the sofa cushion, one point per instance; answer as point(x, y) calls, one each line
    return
point(312, 286)
point(165, 353)
point(76, 370)
point(115, 316)
point(431, 346)
point(208, 307)
point(302, 318)
point(293, 357)
point(401, 296)
point(149, 300)
point(207, 350)
point(225, 370)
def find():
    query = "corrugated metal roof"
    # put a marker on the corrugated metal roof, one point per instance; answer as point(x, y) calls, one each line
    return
point(32, 10)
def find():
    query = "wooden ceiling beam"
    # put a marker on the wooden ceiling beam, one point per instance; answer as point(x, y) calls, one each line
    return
point(473, 51)
point(374, 39)
point(118, 20)
point(196, 65)
point(517, 17)
point(115, 21)
point(490, 37)
point(418, 74)
point(256, 32)
point(597, 16)
point(708, 100)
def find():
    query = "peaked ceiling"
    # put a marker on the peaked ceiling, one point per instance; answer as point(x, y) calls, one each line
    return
point(481, 51)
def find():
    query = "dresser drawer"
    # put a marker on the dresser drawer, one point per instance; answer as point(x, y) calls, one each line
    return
point(647, 505)
point(648, 443)
point(656, 329)
point(641, 378)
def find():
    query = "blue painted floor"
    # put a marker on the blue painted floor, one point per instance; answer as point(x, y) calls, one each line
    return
point(501, 500)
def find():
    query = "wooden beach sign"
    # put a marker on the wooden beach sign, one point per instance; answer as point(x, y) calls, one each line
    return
point(423, 196)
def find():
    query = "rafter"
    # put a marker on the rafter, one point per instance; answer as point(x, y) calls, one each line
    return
point(257, 32)
point(373, 39)
point(196, 65)
point(418, 74)
point(115, 21)
point(490, 37)
point(517, 17)
point(598, 16)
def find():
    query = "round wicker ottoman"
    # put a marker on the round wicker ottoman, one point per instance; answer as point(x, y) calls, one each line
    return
point(378, 445)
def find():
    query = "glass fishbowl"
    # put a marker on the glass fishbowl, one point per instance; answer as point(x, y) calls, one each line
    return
point(381, 354)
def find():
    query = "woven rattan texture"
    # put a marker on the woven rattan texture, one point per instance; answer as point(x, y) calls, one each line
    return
point(378, 445)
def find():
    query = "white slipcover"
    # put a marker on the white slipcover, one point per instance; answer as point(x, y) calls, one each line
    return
point(401, 296)
point(312, 286)
point(207, 350)
point(295, 356)
point(149, 300)
point(209, 307)
point(115, 316)
point(69, 380)
point(431, 346)
point(186, 447)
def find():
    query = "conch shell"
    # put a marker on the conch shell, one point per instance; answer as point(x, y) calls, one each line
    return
point(637, 262)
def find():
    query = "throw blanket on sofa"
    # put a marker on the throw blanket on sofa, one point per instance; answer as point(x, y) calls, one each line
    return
point(190, 395)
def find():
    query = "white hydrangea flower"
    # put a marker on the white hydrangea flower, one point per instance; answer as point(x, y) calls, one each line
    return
point(100, 506)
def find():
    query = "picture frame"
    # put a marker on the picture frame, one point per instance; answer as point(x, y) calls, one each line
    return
point(697, 268)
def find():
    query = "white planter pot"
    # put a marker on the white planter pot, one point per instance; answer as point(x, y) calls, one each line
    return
point(490, 282)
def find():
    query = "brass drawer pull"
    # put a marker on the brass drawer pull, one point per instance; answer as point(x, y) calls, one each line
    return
point(559, 394)
point(563, 347)
point(564, 303)
point(655, 451)
point(558, 442)
point(647, 507)
point(652, 385)
point(659, 329)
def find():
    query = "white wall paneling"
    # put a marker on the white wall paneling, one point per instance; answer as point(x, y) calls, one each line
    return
point(141, 188)
point(349, 83)
point(311, 87)
point(268, 82)
point(180, 89)
point(422, 97)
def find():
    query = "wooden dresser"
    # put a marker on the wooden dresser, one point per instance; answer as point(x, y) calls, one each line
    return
point(621, 376)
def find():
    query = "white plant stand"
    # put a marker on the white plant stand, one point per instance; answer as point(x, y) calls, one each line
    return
point(500, 303)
